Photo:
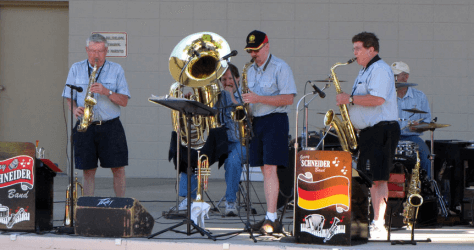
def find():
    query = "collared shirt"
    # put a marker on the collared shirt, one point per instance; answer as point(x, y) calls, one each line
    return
point(111, 75)
point(226, 119)
point(272, 78)
point(377, 80)
point(413, 98)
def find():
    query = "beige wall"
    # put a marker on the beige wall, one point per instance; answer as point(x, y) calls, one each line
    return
point(33, 66)
point(435, 37)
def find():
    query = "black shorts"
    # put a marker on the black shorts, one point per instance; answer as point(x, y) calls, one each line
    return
point(377, 146)
point(105, 142)
point(269, 145)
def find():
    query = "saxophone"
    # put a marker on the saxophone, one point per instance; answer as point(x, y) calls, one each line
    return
point(89, 103)
point(414, 199)
point(344, 129)
point(241, 114)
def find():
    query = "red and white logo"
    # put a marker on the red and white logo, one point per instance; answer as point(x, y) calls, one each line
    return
point(17, 170)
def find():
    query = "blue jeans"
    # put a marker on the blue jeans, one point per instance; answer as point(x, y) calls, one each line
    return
point(233, 169)
point(424, 151)
point(183, 185)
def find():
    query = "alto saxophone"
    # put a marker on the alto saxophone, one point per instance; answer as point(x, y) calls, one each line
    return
point(414, 199)
point(344, 129)
point(89, 102)
point(242, 114)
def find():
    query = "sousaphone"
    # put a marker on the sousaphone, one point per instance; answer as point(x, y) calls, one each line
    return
point(196, 62)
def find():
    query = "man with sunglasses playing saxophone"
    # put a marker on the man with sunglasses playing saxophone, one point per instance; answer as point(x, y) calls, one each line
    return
point(272, 90)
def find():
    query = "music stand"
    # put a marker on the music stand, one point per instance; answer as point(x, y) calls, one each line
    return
point(188, 108)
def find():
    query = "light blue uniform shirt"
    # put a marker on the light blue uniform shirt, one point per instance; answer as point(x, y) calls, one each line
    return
point(111, 76)
point(376, 80)
point(277, 79)
point(414, 98)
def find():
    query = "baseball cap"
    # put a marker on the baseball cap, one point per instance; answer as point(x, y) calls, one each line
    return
point(255, 40)
point(399, 67)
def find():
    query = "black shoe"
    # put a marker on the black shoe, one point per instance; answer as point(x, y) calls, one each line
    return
point(269, 227)
point(256, 227)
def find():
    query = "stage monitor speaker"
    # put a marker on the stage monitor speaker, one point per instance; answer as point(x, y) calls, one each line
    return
point(112, 217)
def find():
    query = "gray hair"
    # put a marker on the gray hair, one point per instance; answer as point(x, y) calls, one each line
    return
point(97, 38)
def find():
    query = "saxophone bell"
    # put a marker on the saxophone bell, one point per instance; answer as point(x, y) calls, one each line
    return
point(415, 200)
point(329, 117)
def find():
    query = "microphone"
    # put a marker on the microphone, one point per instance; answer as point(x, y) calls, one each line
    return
point(320, 92)
point(231, 54)
point(77, 88)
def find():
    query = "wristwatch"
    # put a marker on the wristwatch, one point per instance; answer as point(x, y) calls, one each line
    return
point(110, 92)
point(351, 100)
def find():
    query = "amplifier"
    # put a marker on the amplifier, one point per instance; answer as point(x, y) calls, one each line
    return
point(112, 217)
point(468, 209)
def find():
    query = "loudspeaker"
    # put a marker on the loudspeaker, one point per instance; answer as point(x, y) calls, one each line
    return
point(112, 217)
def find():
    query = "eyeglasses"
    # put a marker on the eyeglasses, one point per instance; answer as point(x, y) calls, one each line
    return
point(357, 49)
point(255, 50)
point(96, 51)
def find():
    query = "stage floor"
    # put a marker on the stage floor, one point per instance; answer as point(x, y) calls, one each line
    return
point(158, 195)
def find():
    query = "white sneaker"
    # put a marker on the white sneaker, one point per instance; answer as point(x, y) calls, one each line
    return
point(230, 209)
point(183, 205)
point(377, 232)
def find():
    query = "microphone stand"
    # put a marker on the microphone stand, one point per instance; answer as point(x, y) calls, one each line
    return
point(70, 229)
point(296, 148)
point(248, 227)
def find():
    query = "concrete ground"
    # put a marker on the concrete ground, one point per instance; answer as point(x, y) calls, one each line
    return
point(158, 195)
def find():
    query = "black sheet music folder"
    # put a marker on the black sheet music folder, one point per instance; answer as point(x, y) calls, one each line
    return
point(183, 105)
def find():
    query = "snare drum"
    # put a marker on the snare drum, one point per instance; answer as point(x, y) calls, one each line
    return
point(406, 149)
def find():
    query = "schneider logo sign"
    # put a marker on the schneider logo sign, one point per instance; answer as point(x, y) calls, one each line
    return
point(17, 170)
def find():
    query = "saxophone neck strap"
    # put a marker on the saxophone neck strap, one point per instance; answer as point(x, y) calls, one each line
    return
point(268, 61)
point(372, 61)
point(89, 69)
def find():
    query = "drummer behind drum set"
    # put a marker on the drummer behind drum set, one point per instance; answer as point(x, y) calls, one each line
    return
point(413, 108)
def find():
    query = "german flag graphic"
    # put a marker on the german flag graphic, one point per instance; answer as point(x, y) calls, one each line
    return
point(315, 195)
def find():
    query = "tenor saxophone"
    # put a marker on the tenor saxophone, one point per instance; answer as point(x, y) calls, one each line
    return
point(242, 114)
point(344, 129)
point(89, 103)
point(414, 199)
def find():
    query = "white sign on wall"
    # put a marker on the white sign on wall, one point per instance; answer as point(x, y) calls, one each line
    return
point(117, 43)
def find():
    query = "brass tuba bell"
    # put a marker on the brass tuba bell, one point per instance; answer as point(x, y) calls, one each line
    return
point(196, 62)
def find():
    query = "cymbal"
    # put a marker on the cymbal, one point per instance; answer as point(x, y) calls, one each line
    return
point(414, 110)
point(404, 84)
point(429, 126)
point(327, 80)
